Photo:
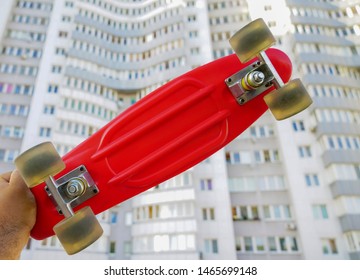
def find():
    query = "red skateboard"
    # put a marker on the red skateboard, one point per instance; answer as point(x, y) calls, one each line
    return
point(162, 135)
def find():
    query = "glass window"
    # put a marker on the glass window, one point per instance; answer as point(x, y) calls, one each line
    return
point(277, 213)
point(293, 244)
point(112, 247)
point(113, 217)
point(248, 244)
point(260, 245)
point(283, 245)
point(272, 244)
point(266, 210)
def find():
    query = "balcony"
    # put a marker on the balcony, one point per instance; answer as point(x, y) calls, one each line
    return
point(311, 4)
point(137, 31)
point(316, 79)
point(350, 222)
point(354, 255)
point(124, 85)
point(336, 102)
point(120, 65)
point(323, 39)
point(345, 187)
point(341, 156)
point(311, 20)
point(336, 128)
point(350, 61)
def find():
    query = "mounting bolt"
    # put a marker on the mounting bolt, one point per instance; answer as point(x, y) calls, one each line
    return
point(242, 101)
point(252, 80)
point(76, 187)
point(256, 78)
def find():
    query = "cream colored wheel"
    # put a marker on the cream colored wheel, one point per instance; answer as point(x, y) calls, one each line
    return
point(38, 163)
point(251, 40)
point(79, 231)
point(288, 100)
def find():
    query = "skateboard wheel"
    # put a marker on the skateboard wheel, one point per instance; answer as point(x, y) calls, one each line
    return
point(251, 40)
point(288, 100)
point(79, 231)
point(38, 163)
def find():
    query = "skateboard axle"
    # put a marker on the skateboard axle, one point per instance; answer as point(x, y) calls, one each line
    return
point(76, 187)
point(71, 190)
point(254, 79)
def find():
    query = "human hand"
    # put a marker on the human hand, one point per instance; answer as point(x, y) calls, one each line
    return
point(17, 214)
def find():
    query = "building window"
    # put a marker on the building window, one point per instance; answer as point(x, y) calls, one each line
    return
point(182, 180)
point(60, 51)
point(149, 212)
point(267, 156)
point(329, 246)
point(2, 154)
point(353, 240)
point(283, 244)
point(211, 246)
point(63, 34)
point(45, 132)
point(242, 157)
point(112, 247)
point(69, 4)
point(8, 155)
point(161, 243)
point(277, 212)
point(312, 180)
point(305, 151)
point(206, 184)
point(191, 18)
point(248, 244)
point(357, 170)
point(274, 244)
point(193, 34)
point(49, 110)
point(56, 69)
point(272, 23)
point(298, 126)
point(267, 7)
point(66, 18)
point(127, 248)
point(128, 218)
point(320, 212)
point(245, 213)
point(250, 184)
point(113, 217)
point(259, 244)
point(53, 89)
point(208, 214)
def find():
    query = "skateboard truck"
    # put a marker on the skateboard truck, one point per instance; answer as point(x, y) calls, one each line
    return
point(254, 79)
point(71, 190)
point(249, 42)
point(78, 229)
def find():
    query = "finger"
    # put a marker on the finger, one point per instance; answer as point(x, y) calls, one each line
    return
point(19, 192)
point(5, 177)
point(17, 181)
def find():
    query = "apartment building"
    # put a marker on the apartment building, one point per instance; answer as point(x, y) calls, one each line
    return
point(281, 190)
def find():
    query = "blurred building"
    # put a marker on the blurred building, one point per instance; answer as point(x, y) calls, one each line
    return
point(281, 190)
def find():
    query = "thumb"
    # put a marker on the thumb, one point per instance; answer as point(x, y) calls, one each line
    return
point(17, 182)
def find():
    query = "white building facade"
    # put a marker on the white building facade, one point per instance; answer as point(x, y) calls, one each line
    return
point(281, 190)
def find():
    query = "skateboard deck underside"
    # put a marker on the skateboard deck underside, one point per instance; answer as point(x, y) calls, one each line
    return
point(162, 135)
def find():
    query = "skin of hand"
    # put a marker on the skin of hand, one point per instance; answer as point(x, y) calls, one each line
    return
point(17, 215)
